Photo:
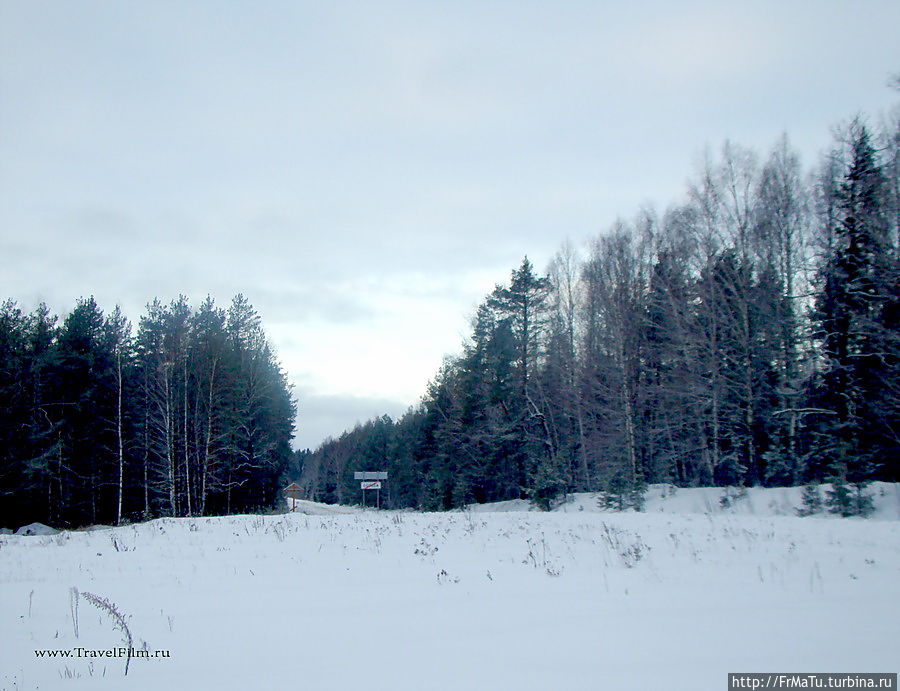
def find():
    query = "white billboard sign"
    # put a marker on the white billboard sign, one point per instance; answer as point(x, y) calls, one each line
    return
point(380, 475)
point(371, 484)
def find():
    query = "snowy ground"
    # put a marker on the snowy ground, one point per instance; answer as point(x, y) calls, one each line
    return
point(335, 598)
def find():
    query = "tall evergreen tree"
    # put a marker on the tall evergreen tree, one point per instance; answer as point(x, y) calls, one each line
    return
point(669, 406)
point(85, 391)
point(856, 384)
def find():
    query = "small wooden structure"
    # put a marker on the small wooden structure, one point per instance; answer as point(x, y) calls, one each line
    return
point(292, 491)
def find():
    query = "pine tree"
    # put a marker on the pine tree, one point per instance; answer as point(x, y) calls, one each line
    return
point(118, 341)
point(811, 501)
point(669, 405)
point(14, 480)
point(547, 482)
point(85, 390)
point(848, 498)
point(857, 383)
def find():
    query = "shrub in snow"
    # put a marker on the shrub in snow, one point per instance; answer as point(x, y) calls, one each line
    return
point(623, 493)
point(548, 484)
point(849, 498)
point(811, 500)
point(731, 496)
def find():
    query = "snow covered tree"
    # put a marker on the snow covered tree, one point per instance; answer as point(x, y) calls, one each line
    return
point(614, 286)
point(811, 501)
point(856, 325)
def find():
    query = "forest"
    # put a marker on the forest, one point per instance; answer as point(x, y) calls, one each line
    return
point(747, 336)
point(190, 415)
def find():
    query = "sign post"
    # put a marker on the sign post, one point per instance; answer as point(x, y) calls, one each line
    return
point(371, 480)
point(292, 492)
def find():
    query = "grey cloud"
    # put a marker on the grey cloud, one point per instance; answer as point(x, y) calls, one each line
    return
point(322, 415)
point(336, 161)
point(300, 304)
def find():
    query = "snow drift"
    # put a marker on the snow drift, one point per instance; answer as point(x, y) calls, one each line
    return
point(517, 600)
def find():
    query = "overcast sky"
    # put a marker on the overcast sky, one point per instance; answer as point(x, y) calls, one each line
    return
point(364, 172)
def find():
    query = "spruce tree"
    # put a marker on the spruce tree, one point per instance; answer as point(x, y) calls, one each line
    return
point(856, 385)
point(811, 501)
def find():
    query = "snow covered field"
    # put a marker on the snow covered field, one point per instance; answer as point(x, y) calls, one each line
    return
point(492, 598)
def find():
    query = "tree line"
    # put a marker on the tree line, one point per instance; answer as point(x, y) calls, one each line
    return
point(748, 336)
point(190, 415)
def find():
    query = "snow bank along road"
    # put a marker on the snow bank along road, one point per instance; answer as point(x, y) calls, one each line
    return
point(514, 600)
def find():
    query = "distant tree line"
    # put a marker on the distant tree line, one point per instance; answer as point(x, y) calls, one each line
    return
point(749, 336)
point(189, 416)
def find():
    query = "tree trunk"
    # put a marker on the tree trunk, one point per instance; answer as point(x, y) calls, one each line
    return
point(184, 432)
point(119, 439)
